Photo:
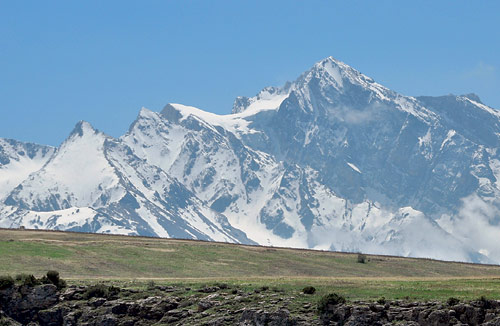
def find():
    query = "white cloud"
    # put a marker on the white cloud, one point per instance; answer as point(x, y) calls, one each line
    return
point(356, 116)
point(480, 71)
point(476, 225)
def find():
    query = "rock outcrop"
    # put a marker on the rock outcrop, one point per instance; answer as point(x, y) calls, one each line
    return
point(102, 305)
point(480, 312)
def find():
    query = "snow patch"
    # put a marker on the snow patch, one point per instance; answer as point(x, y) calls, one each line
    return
point(448, 138)
point(334, 71)
point(354, 167)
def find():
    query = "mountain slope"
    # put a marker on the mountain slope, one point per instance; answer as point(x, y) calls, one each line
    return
point(332, 160)
point(111, 190)
point(18, 160)
point(276, 202)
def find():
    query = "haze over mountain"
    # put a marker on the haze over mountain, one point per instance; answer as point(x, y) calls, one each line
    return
point(331, 161)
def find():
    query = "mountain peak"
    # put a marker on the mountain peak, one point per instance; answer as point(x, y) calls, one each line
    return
point(331, 60)
point(474, 97)
point(326, 72)
point(339, 72)
point(83, 128)
point(268, 98)
point(332, 160)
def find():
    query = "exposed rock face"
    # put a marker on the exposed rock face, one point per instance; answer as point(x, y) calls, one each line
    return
point(44, 305)
point(481, 312)
point(260, 317)
point(331, 161)
point(23, 303)
point(336, 151)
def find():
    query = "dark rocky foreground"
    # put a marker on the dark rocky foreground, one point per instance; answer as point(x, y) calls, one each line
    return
point(481, 312)
point(46, 305)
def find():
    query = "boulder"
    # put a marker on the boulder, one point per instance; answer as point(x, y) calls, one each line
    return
point(119, 308)
point(53, 316)
point(204, 305)
point(438, 318)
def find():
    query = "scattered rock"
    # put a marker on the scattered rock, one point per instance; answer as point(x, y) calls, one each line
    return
point(72, 293)
point(479, 312)
point(204, 305)
point(96, 302)
point(45, 305)
point(262, 317)
point(7, 321)
point(119, 308)
point(53, 316)
point(209, 289)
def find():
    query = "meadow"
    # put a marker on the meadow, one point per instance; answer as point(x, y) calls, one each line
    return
point(138, 261)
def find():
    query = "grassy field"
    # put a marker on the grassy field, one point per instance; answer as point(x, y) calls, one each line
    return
point(132, 261)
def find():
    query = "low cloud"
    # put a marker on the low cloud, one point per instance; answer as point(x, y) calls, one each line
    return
point(476, 225)
point(357, 116)
point(480, 71)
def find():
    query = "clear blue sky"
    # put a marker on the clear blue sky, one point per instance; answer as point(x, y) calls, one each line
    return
point(101, 61)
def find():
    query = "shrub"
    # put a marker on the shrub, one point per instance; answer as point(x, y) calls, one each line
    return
point(452, 301)
point(52, 277)
point(222, 286)
point(361, 258)
point(6, 282)
point(96, 291)
point(329, 299)
point(151, 285)
point(381, 300)
point(101, 291)
point(113, 291)
point(27, 280)
point(484, 302)
point(309, 290)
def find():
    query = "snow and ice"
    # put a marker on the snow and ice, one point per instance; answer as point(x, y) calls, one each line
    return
point(331, 161)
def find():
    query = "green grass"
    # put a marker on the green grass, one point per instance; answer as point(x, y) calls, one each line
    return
point(15, 249)
point(352, 289)
point(124, 259)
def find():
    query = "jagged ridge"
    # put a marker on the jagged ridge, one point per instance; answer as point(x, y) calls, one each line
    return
point(332, 160)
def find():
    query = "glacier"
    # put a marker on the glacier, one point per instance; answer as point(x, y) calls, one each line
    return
point(331, 161)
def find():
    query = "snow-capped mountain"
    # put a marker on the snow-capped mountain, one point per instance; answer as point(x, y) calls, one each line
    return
point(330, 161)
point(94, 183)
point(18, 160)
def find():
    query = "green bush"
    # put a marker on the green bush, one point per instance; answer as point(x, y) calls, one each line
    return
point(113, 291)
point(52, 277)
point(452, 301)
point(27, 280)
point(309, 290)
point(151, 285)
point(329, 299)
point(96, 291)
point(6, 282)
point(361, 258)
point(381, 300)
point(101, 291)
point(222, 286)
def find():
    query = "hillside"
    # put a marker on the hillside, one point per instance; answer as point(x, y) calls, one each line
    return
point(89, 256)
point(210, 283)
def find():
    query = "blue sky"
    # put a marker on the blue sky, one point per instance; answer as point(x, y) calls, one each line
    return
point(101, 61)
